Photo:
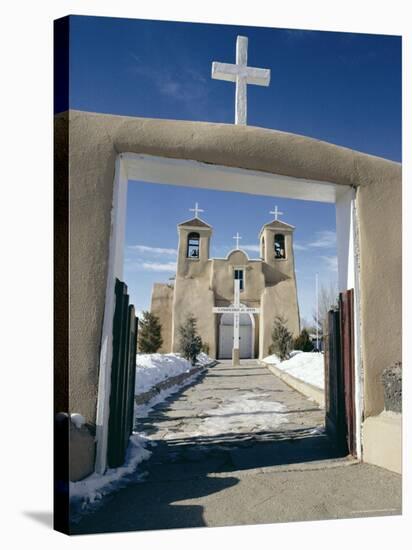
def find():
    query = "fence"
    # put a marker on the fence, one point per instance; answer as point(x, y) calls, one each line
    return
point(339, 374)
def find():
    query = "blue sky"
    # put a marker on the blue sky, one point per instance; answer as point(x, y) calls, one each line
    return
point(339, 87)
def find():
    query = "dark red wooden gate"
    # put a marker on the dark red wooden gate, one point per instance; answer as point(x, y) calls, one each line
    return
point(348, 365)
point(340, 374)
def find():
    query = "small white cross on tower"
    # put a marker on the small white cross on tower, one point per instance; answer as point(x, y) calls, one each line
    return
point(242, 75)
point(237, 237)
point(276, 213)
point(196, 210)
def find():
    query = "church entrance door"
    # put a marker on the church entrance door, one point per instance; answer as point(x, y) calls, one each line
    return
point(245, 336)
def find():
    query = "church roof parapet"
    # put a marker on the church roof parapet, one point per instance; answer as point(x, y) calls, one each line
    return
point(277, 224)
point(238, 250)
point(195, 222)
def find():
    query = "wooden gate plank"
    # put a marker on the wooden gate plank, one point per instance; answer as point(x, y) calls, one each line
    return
point(347, 349)
point(130, 377)
point(117, 377)
point(123, 377)
point(334, 399)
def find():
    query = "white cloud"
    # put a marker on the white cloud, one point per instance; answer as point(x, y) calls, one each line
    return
point(190, 85)
point(331, 262)
point(157, 266)
point(324, 239)
point(298, 246)
point(153, 249)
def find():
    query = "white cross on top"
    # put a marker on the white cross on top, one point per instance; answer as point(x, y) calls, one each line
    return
point(237, 237)
point(276, 213)
point(196, 210)
point(242, 75)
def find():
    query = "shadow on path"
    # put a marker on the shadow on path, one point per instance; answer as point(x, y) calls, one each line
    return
point(201, 455)
point(153, 505)
point(189, 466)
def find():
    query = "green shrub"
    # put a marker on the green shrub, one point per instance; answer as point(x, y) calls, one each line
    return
point(303, 342)
point(149, 336)
point(190, 343)
point(282, 339)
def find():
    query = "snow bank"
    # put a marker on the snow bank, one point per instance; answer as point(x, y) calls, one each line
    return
point(272, 359)
point(308, 367)
point(87, 493)
point(295, 352)
point(152, 368)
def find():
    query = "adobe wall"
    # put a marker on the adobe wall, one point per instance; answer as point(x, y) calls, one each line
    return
point(94, 142)
point(379, 205)
point(200, 306)
point(161, 305)
point(222, 279)
point(281, 300)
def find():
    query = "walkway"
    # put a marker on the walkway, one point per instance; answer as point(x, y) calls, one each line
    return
point(241, 447)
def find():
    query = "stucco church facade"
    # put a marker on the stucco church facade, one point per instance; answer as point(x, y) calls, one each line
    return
point(202, 283)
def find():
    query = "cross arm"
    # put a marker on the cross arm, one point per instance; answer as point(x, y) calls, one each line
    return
point(224, 71)
point(259, 77)
point(230, 71)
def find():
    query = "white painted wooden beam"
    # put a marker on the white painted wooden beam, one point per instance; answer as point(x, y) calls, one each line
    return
point(192, 173)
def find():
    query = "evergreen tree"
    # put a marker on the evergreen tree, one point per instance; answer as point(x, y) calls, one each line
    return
point(282, 339)
point(190, 343)
point(149, 338)
point(303, 341)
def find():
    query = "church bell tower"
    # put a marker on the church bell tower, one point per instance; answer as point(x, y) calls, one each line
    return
point(276, 245)
point(194, 245)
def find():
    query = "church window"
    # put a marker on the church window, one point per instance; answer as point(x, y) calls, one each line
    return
point(239, 276)
point(280, 251)
point(193, 246)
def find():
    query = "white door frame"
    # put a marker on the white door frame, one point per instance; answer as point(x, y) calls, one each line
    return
point(190, 173)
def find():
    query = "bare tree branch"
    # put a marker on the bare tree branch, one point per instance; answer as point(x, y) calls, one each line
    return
point(328, 298)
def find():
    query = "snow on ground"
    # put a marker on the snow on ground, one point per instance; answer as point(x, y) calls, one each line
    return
point(152, 368)
point(306, 366)
point(244, 413)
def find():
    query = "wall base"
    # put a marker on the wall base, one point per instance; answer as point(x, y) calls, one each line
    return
point(382, 441)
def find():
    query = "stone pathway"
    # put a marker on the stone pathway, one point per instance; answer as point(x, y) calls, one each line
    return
point(232, 409)
point(239, 446)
